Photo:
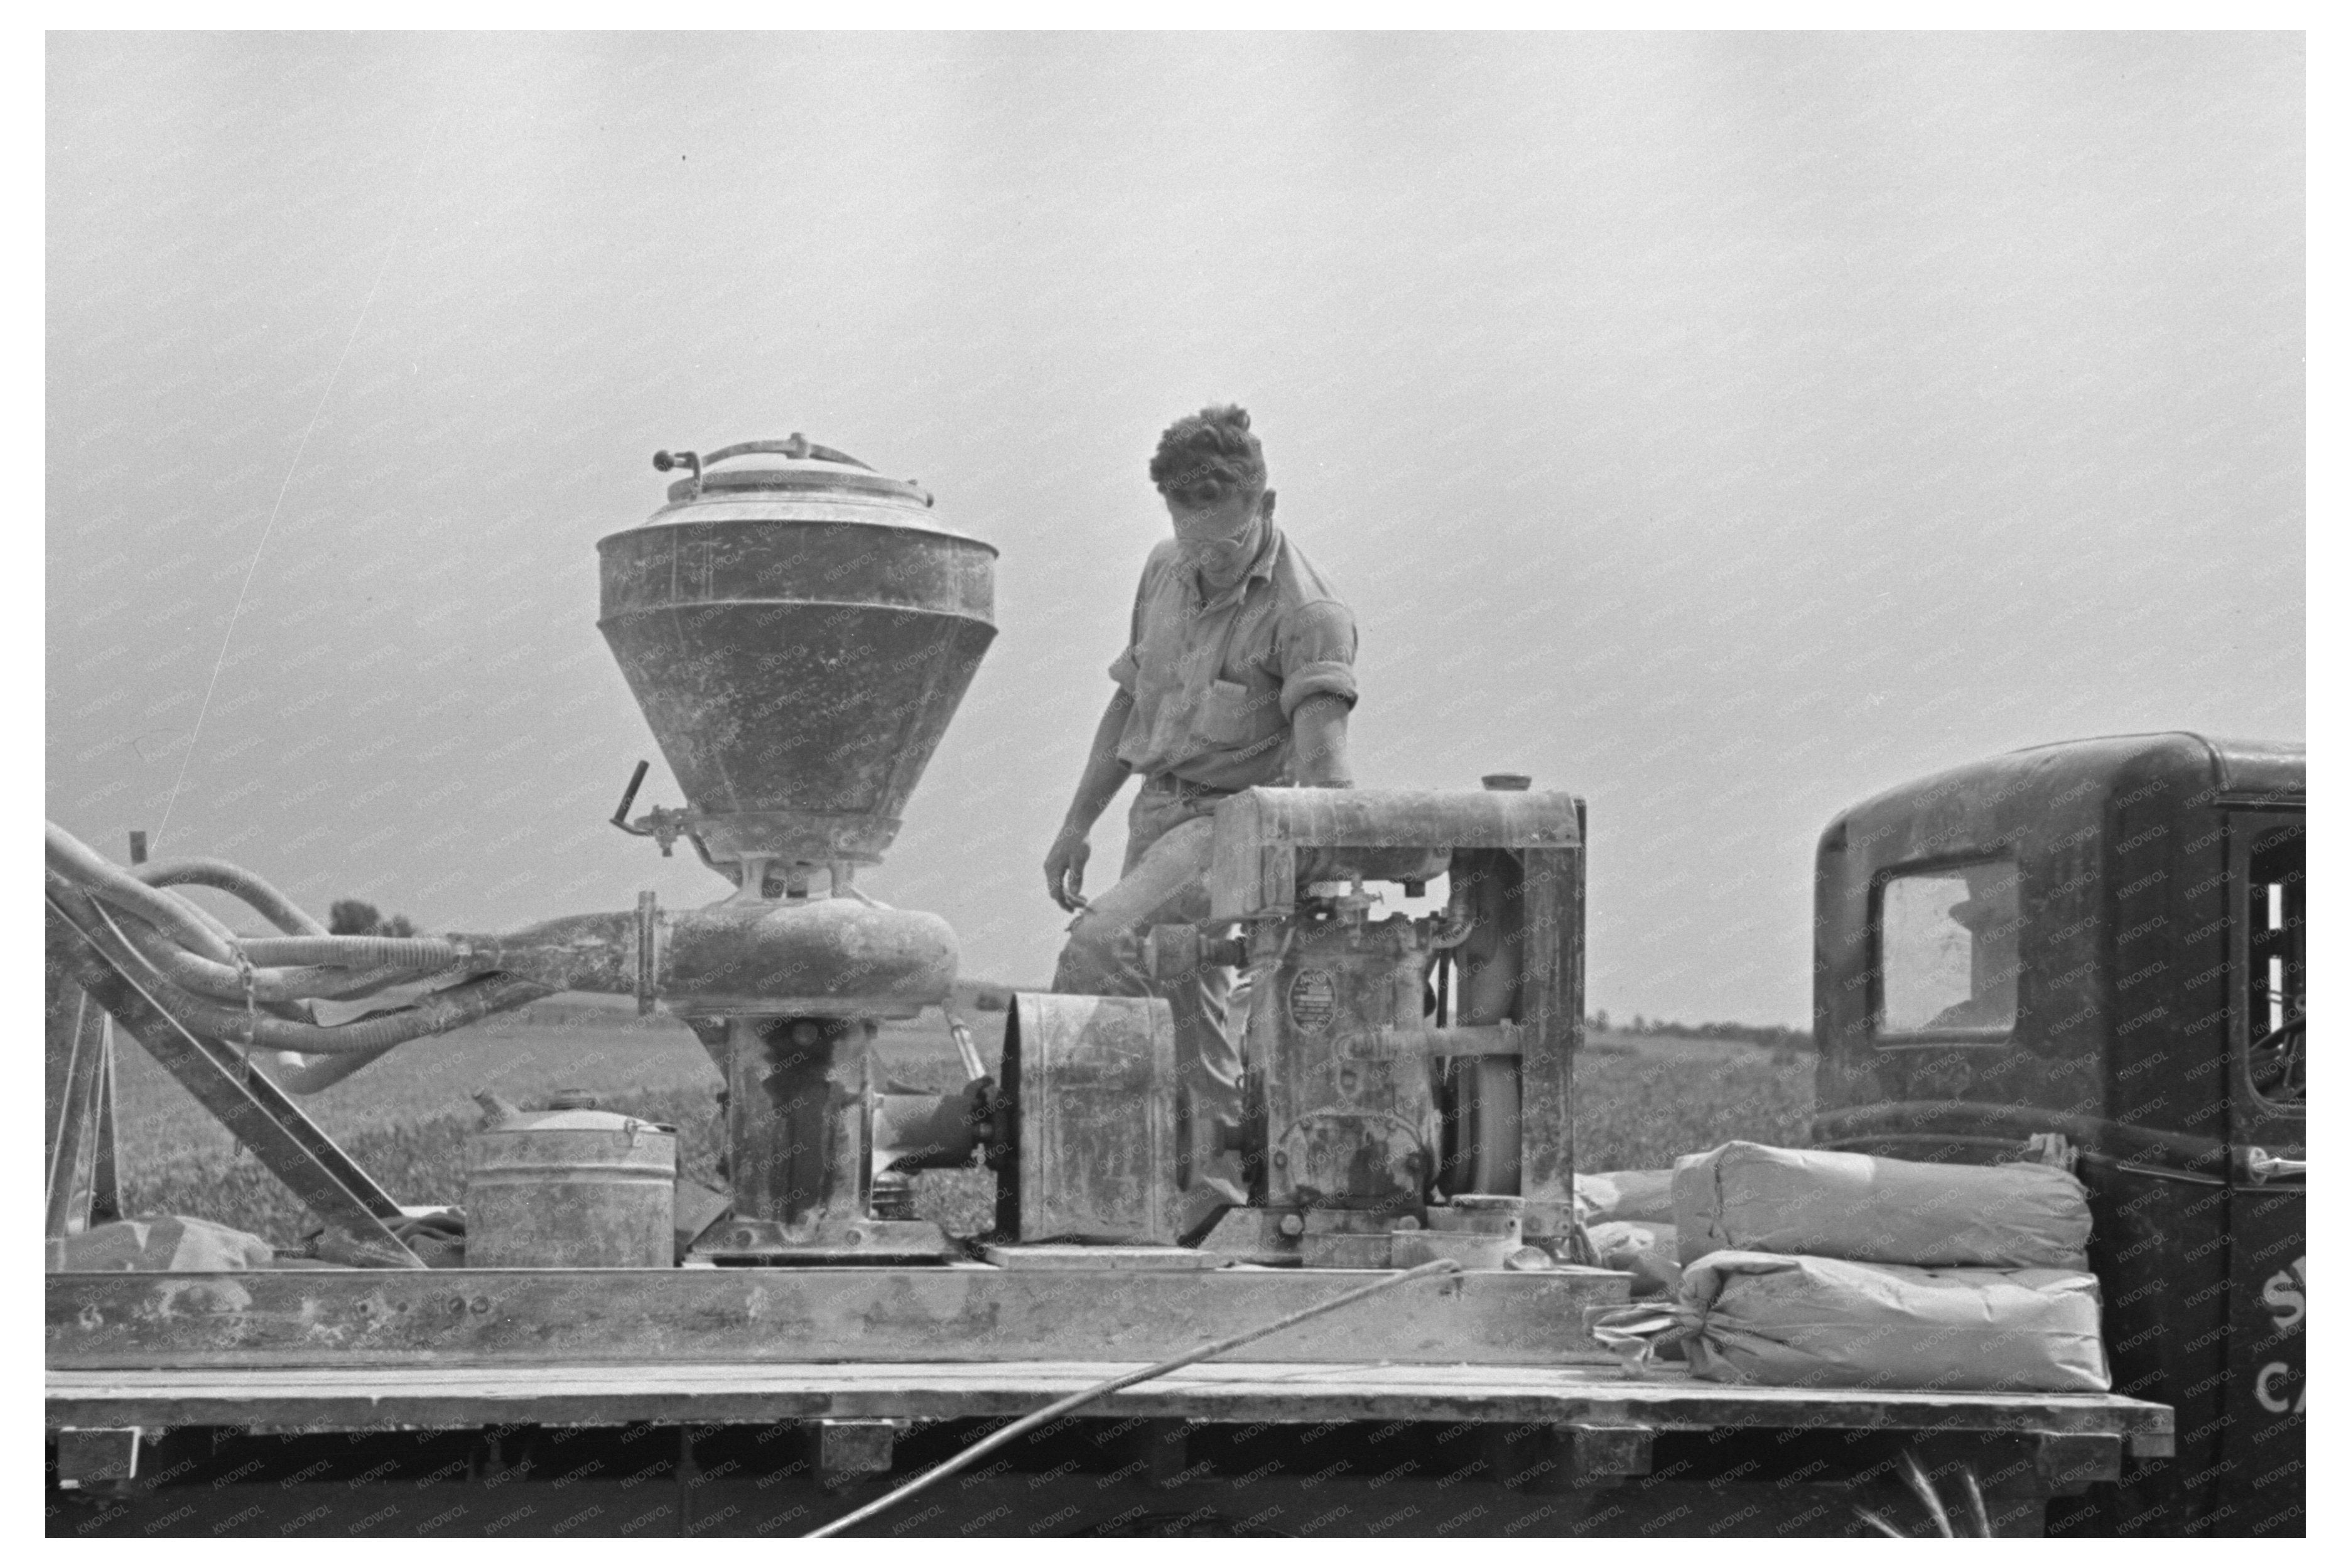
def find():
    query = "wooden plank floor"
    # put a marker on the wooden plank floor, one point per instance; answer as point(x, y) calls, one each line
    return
point(364, 1398)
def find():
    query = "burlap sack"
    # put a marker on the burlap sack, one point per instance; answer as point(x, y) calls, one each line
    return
point(1875, 1211)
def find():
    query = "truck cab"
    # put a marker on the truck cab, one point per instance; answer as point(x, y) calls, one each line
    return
point(2093, 952)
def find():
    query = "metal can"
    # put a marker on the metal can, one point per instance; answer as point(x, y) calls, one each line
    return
point(570, 1187)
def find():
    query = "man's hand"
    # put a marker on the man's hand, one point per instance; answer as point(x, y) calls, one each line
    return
point(1065, 869)
point(1065, 863)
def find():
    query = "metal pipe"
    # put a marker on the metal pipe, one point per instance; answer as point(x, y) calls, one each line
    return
point(205, 871)
point(1061, 1407)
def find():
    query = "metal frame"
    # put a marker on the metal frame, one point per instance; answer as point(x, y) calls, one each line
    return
point(79, 1171)
point(84, 951)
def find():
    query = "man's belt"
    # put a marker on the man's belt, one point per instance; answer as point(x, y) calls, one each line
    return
point(1185, 789)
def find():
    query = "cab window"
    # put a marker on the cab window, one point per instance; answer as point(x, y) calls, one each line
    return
point(2274, 890)
point(1947, 954)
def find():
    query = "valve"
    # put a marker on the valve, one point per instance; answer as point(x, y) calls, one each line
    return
point(665, 823)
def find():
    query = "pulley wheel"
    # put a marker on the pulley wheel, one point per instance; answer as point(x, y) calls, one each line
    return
point(1483, 1142)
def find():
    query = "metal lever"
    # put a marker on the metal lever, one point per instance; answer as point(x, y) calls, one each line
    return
point(629, 799)
point(974, 1069)
point(2262, 1166)
point(662, 822)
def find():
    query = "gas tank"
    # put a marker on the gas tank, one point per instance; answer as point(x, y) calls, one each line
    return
point(798, 630)
point(570, 1187)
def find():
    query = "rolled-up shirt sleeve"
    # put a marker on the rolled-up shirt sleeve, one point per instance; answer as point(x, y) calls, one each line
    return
point(1317, 649)
point(1128, 666)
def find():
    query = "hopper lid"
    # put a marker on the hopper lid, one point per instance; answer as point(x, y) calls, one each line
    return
point(793, 463)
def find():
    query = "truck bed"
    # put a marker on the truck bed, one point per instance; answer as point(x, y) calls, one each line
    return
point(359, 1398)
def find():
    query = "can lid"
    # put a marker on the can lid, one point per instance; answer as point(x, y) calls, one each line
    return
point(560, 1117)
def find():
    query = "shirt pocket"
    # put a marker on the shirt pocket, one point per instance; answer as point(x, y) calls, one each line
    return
point(1226, 715)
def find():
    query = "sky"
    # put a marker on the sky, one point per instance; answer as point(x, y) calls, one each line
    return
point(1723, 427)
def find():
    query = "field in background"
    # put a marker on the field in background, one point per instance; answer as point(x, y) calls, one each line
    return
point(1641, 1100)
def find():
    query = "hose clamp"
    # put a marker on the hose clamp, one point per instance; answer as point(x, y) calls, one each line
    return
point(245, 978)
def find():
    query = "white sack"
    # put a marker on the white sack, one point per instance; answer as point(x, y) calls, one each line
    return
point(1875, 1211)
point(168, 1243)
point(1823, 1323)
point(1625, 1194)
point(1646, 1252)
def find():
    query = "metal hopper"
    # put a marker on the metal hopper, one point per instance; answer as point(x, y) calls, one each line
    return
point(798, 630)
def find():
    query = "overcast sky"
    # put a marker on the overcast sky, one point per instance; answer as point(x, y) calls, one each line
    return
point(1723, 427)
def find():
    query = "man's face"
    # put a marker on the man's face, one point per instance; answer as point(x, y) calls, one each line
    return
point(1218, 541)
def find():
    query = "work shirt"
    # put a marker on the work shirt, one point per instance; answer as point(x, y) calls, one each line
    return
point(1216, 681)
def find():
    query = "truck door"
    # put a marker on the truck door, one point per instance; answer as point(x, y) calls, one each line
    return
point(2261, 1486)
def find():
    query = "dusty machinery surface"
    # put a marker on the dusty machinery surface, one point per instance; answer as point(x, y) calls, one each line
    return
point(798, 631)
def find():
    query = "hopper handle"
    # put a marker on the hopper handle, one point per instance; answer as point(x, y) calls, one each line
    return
point(629, 799)
point(665, 823)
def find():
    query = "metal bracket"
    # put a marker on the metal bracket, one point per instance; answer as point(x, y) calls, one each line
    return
point(846, 1450)
point(1608, 1453)
point(96, 1456)
point(2066, 1462)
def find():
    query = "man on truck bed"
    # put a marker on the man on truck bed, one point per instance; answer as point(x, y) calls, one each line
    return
point(1238, 670)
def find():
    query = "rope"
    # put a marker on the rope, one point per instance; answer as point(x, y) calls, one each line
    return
point(408, 209)
point(1061, 1407)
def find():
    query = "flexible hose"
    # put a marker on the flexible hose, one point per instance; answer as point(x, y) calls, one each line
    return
point(224, 982)
point(289, 1070)
point(435, 1014)
point(203, 872)
point(300, 1074)
point(213, 923)
point(1061, 1407)
point(420, 954)
point(94, 874)
point(176, 918)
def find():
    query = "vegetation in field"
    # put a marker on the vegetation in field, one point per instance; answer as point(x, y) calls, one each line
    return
point(1638, 1103)
point(1640, 1100)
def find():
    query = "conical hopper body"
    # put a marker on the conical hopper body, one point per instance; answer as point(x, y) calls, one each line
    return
point(798, 635)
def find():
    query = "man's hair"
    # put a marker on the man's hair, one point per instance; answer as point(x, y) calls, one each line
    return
point(1207, 457)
